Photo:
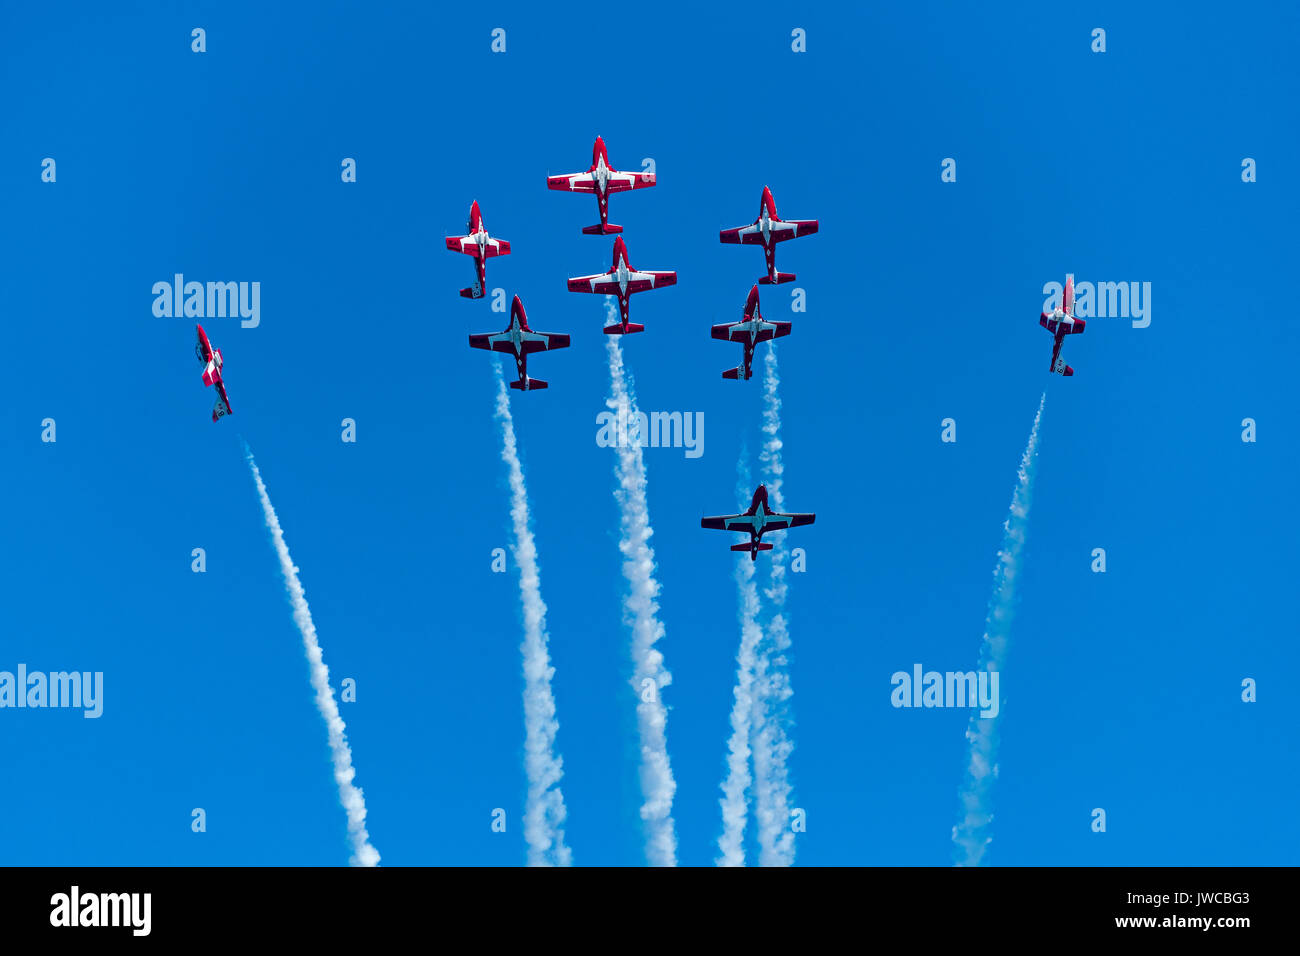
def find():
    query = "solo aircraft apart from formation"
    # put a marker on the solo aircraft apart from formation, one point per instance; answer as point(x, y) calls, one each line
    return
point(749, 332)
point(602, 180)
point(479, 245)
point(622, 281)
point(210, 359)
point(522, 341)
point(766, 231)
point(1061, 322)
point(755, 522)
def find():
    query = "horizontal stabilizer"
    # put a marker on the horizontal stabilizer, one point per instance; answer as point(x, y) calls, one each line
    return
point(761, 546)
point(608, 229)
point(733, 373)
point(528, 384)
point(471, 293)
point(619, 330)
point(780, 277)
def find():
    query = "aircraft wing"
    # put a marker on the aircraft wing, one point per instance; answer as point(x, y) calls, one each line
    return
point(742, 235)
point(493, 342)
point(466, 244)
point(728, 522)
point(1066, 326)
point(732, 331)
point(797, 520)
point(642, 281)
point(619, 182)
point(542, 341)
point(574, 182)
point(793, 228)
point(602, 284)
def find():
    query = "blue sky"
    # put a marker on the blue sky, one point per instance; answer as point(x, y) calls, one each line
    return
point(1122, 689)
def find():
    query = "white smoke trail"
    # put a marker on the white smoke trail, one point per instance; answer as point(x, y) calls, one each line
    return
point(735, 800)
point(640, 611)
point(771, 741)
point(971, 834)
point(353, 800)
point(544, 810)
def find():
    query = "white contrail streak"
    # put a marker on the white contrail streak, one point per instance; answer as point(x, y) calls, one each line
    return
point(641, 612)
point(972, 834)
point(771, 741)
point(353, 800)
point(544, 810)
point(735, 799)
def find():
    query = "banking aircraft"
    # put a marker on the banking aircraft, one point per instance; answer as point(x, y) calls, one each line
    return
point(749, 332)
point(622, 281)
point(210, 359)
point(766, 231)
point(479, 245)
point(522, 341)
point(602, 180)
point(755, 522)
point(1061, 322)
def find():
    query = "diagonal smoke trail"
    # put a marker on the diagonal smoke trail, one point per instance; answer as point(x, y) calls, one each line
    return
point(353, 800)
point(735, 800)
point(972, 834)
point(641, 612)
point(544, 810)
point(771, 741)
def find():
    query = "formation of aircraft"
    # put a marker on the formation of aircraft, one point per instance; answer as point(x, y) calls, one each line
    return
point(766, 231)
point(602, 180)
point(622, 281)
point(522, 342)
point(749, 332)
point(210, 359)
point(756, 522)
point(1061, 322)
point(481, 246)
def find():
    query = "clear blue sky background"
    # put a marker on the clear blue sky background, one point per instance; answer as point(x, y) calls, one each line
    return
point(923, 297)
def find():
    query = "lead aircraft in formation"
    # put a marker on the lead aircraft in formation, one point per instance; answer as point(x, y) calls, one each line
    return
point(602, 180)
point(1061, 322)
point(522, 342)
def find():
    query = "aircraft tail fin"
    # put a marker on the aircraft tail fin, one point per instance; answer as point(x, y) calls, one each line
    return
point(607, 229)
point(753, 549)
point(471, 293)
point(780, 277)
point(619, 330)
point(732, 373)
point(528, 384)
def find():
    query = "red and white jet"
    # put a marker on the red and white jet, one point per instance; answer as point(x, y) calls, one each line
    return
point(756, 522)
point(766, 231)
point(522, 341)
point(602, 180)
point(1061, 322)
point(622, 281)
point(479, 245)
point(210, 359)
point(749, 332)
